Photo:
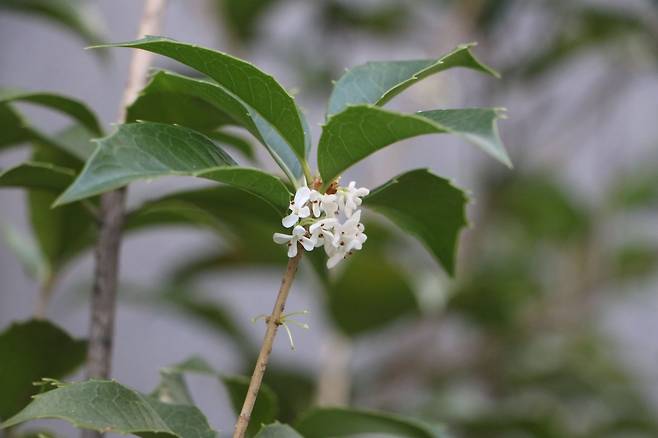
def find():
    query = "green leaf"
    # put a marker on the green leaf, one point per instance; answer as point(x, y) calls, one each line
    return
point(242, 17)
point(369, 294)
point(265, 409)
point(148, 150)
point(633, 260)
point(107, 406)
point(268, 103)
point(77, 110)
point(31, 350)
point(205, 106)
point(427, 206)
point(376, 83)
point(278, 430)
point(14, 130)
point(27, 252)
point(235, 141)
point(75, 16)
point(361, 130)
point(338, 422)
point(37, 175)
point(172, 387)
point(62, 232)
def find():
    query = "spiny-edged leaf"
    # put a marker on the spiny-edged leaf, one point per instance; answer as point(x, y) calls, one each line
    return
point(265, 409)
point(338, 422)
point(256, 89)
point(369, 294)
point(107, 406)
point(427, 206)
point(361, 130)
point(205, 106)
point(278, 430)
point(76, 16)
point(31, 350)
point(71, 107)
point(147, 150)
point(378, 82)
point(37, 175)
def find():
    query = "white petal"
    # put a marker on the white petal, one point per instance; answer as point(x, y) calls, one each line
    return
point(292, 250)
point(304, 212)
point(290, 220)
point(298, 231)
point(334, 260)
point(281, 238)
point(307, 243)
point(302, 195)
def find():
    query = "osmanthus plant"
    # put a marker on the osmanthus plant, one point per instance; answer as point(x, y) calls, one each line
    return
point(175, 127)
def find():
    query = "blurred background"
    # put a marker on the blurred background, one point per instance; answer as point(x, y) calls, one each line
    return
point(549, 328)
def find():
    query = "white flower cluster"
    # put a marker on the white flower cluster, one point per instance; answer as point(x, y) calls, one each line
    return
point(332, 221)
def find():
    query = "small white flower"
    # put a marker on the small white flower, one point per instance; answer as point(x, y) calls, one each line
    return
point(321, 233)
point(298, 207)
point(315, 199)
point(329, 204)
point(298, 235)
point(349, 198)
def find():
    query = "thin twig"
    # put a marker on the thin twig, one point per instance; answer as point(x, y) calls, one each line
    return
point(101, 331)
point(273, 323)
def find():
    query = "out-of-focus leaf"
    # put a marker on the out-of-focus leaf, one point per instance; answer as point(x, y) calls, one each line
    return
point(636, 190)
point(74, 15)
point(27, 252)
point(66, 105)
point(369, 294)
point(635, 260)
point(379, 19)
point(32, 350)
point(242, 16)
point(148, 150)
point(265, 100)
point(37, 175)
point(361, 130)
point(376, 83)
point(172, 388)
point(541, 207)
point(294, 388)
point(266, 407)
point(338, 422)
point(12, 128)
point(278, 430)
point(107, 406)
point(583, 28)
point(426, 206)
point(495, 295)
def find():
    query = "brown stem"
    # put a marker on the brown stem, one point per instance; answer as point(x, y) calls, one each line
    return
point(101, 331)
point(273, 323)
